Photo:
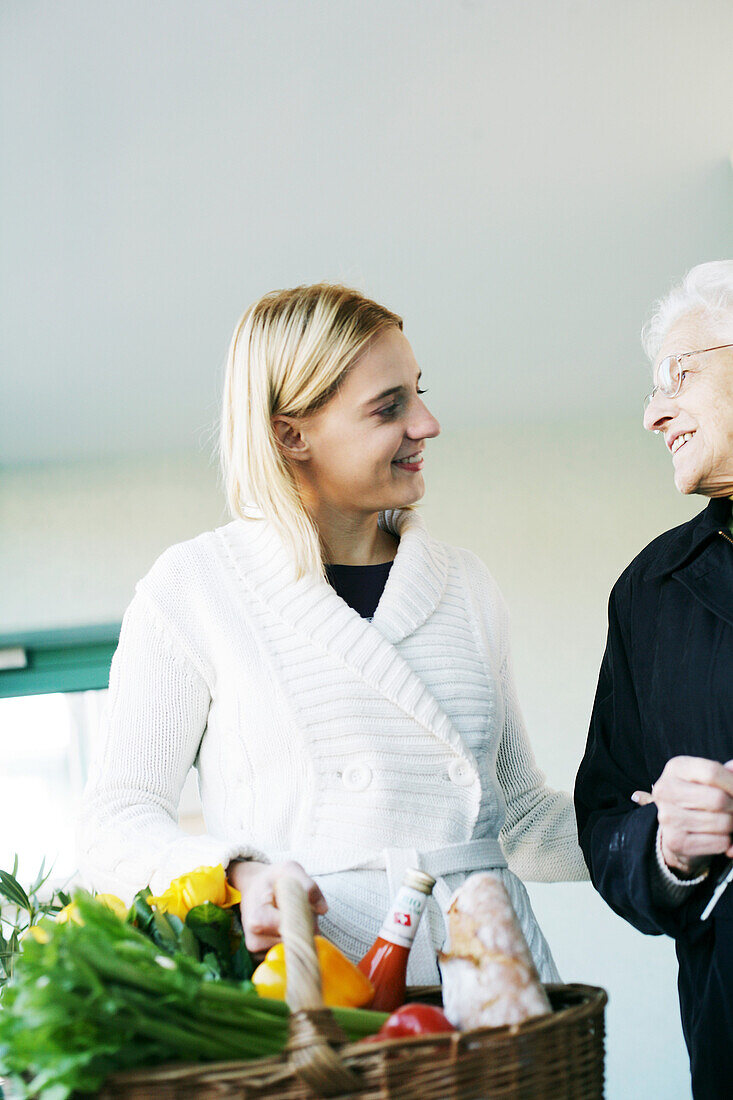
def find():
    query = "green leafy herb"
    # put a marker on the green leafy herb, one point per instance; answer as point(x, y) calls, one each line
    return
point(101, 997)
point(19, 909)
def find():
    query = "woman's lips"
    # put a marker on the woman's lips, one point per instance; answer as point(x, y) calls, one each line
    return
point(679, 441)
point(412, 463)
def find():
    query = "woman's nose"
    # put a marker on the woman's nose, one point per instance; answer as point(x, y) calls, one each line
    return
point(423, 424)
point(659, 410)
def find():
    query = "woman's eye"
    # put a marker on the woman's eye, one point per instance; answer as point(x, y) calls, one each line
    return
point(389, 412)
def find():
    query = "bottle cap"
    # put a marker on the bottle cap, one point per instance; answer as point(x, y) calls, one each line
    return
point(419, 880)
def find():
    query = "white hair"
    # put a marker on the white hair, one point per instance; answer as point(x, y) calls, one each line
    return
point(706, 289)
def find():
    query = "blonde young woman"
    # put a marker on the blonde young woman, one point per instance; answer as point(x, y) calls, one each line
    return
point(340, 679)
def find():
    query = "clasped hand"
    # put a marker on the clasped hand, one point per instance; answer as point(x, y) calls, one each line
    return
point(694, 799)
point(260, 915)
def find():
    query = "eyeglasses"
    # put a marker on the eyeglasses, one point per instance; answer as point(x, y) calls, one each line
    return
point(671, 374)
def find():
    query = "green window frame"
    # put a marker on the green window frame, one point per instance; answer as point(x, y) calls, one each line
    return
point(73, 659)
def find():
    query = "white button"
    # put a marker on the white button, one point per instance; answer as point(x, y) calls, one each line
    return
point(460, 773)
point(357, 777)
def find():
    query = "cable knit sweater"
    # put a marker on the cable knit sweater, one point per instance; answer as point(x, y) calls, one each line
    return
point(356, 748)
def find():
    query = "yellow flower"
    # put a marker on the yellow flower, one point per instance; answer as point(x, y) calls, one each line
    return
point(35, 932)
point(199, 886)
point(114, 903)
point(70, 912)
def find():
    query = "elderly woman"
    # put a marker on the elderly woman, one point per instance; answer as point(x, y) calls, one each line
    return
point(663, 713)
point(341, 680)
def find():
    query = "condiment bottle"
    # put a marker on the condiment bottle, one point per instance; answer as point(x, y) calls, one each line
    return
point(385, 963)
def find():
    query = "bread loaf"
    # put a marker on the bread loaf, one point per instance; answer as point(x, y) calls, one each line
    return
point(489, 978)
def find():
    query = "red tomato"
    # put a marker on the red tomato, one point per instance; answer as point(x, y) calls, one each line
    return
point(415, 1019)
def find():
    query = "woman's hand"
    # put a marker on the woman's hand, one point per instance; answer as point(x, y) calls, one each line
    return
point(694, 800)
point(260, 917)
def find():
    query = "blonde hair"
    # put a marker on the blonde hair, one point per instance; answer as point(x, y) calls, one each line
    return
point(288, 355)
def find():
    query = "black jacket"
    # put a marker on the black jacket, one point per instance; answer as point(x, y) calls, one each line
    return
point(666, 689)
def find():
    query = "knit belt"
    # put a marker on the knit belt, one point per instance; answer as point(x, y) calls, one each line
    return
point(471, 855)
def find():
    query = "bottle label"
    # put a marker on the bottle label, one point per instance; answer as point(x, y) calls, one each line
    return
point(400, 924)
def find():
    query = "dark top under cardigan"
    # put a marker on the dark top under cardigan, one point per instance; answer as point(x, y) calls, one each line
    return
point(360, 586)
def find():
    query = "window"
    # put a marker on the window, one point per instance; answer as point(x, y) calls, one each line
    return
point(37, 662)
point(46, 741)
point(53, 691)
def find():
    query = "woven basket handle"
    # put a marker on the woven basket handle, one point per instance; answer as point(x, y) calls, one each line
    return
point(312, 1026)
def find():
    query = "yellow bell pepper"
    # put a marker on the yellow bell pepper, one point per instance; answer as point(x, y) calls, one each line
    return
point(344, 985)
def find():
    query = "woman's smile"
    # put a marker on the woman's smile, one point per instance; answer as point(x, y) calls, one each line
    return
point(412, 463)
point(678, 441)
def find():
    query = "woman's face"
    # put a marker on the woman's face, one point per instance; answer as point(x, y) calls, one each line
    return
point(362, 452)
point(697, 424)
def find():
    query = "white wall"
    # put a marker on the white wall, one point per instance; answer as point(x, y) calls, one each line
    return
point(555, 512)
point(518, 179)
point(75, 537)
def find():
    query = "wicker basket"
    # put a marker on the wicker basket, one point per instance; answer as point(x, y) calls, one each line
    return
point(557, 1057)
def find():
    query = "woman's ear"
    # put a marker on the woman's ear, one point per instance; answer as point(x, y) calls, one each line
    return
point(291, 437)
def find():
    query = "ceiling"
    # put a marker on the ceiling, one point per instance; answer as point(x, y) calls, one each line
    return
point(519, 181)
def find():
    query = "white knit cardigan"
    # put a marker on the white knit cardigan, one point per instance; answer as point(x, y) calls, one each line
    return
point(357, 748)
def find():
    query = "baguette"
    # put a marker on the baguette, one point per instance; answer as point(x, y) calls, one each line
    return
point(489, 978)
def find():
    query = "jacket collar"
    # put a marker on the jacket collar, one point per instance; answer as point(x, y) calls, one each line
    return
point(417, 579)
point(414, 587)
point(311, 607)
point(692, 537)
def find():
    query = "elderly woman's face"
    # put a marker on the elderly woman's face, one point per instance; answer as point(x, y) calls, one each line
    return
point(697, 424)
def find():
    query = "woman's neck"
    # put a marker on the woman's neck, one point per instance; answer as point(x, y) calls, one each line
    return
point(353, 540)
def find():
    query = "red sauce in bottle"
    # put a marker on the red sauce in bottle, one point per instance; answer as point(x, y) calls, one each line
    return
point(385, 963)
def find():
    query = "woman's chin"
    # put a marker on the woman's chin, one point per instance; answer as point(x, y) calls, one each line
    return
point(686, 482)
point(687, 472)
point(416, 493)
point(401, 500)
